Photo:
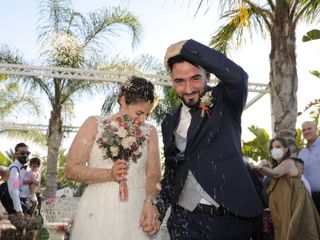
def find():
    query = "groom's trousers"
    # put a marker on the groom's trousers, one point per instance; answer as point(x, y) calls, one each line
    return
point(207, 223)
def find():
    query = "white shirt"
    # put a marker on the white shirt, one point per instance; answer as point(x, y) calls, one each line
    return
point(311, 157)
point(184, 123)
point(306, 184)
point(15, 182)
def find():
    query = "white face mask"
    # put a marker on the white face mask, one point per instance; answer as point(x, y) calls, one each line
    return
point(277, 153)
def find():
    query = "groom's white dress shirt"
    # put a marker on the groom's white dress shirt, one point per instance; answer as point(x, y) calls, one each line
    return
point(192, 193)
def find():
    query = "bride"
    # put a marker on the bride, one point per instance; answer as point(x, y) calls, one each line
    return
point(101, 213)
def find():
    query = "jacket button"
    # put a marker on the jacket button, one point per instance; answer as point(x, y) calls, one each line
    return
point(196, 53)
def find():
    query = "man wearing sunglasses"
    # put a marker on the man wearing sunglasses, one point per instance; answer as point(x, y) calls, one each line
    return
point(13, 196)
point(17, 171)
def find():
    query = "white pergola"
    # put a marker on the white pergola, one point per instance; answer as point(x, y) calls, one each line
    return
point(95, 75)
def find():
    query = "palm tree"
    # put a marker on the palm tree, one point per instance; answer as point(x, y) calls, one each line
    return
point(71, 39)
point(279, 19)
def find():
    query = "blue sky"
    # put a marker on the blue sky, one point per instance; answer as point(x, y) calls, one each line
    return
point(165, 22)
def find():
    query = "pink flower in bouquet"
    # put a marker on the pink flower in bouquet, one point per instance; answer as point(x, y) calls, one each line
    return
point(139, 135)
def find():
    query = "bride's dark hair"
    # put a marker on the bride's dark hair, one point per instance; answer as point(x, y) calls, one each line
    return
point(138, 90)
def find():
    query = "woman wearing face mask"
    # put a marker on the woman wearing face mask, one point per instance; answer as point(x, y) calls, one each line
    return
point(293, 213)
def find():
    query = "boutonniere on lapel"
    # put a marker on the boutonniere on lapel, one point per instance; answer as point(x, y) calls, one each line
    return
point(206, 102)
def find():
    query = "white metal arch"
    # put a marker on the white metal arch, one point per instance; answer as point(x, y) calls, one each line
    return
point(95, 75)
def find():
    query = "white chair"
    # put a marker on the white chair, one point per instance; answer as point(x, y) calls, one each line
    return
point(58, 213)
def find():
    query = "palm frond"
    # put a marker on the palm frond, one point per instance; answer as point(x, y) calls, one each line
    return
point(110, 21)
point(299, 139)
point(237, 20)
point(13, 101)
point(4, 160)
point(109, 103)
point(308, 11)
point(10, 55)
point(258, 147)
point(167, 103)
point(54, 17)
point(36, 137)
point(316, 73)
point(311, 35)
point(149, 64)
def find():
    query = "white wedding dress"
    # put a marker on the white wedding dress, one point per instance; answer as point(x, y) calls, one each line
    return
point(101, 215)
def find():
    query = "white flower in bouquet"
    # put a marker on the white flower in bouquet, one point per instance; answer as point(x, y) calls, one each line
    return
point(122, 132)
point(128, 142)
point(114, 151)
point(114, 124)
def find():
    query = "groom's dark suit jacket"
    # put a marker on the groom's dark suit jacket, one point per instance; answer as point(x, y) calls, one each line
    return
point(213, 153)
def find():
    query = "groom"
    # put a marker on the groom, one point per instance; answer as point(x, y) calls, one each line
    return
point(205, 181)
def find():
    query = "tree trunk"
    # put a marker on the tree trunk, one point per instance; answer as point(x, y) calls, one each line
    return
point(283, 77)
point(54, 141)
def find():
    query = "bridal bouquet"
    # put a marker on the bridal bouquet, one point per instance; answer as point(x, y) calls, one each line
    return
point(121, 139)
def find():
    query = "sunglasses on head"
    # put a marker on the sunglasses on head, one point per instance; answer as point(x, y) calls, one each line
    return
point(24, 153)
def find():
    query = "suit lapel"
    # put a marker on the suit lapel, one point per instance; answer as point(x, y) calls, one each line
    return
point(198, 122)
point(171, 126)
point(195, 126)
point(195, 120)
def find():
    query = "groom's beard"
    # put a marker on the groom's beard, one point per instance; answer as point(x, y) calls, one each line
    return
point(191, 102)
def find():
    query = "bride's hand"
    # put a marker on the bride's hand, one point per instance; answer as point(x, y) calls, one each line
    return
point(149, 220)
point(119, 170)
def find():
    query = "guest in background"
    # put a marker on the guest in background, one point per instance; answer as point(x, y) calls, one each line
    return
point(32, 182)
point(14, 202)
point(311, 158)
point(293, 212)
point(300, 166)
